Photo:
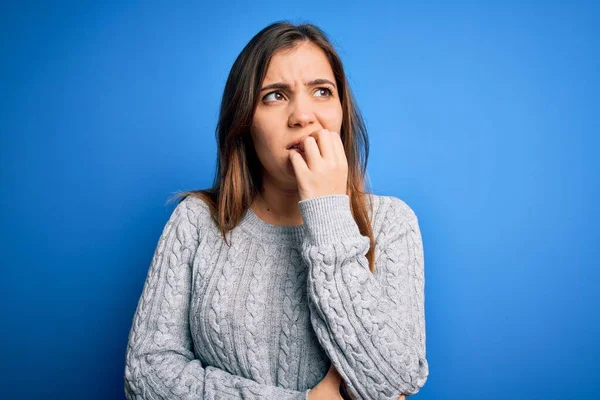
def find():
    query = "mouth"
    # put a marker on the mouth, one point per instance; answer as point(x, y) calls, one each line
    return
point(296, 145)
point(297, 148)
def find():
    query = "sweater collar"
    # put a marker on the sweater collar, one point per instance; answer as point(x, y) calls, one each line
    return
point(263, 230)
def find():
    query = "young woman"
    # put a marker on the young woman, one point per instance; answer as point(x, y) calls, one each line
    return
point(286, 279)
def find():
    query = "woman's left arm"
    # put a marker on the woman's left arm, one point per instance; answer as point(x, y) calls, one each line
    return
point(371, 325)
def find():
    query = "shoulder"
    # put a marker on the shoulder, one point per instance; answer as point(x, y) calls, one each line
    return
point(389, 207)
point(194, 204)
point(393, 217)
point(190, 211)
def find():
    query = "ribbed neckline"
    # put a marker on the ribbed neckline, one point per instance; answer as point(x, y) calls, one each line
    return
point(255, 226)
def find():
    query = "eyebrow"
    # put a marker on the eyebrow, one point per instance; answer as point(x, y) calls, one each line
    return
point(285, 86)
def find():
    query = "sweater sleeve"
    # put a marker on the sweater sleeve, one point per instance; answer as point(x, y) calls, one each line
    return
point(371, 325)
point(160, 362)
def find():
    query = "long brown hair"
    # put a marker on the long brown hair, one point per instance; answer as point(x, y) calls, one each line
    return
point(238, 176)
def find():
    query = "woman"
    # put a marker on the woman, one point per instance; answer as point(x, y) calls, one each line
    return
point(285, 280)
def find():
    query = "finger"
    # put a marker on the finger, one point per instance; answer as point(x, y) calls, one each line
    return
point(323, 138)
point(337, 374)
point(338, 145)
point(311, 152)
point(334, 375)
point(298, 163)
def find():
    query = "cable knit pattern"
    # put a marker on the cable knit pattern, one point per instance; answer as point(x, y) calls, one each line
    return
point(291, 320)
point(256, 314)
point(374, 340)
point(264, 316)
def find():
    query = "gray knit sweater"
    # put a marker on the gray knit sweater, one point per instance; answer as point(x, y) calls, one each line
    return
point(263, 317)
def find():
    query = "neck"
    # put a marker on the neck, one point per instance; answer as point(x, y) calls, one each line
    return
point(277, 205)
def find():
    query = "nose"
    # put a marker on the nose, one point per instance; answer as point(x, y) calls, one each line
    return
point(301, 112)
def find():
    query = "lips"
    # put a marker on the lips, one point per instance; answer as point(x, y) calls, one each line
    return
point(297, 148)
point(295, 145)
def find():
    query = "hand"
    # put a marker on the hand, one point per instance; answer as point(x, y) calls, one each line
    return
point(328, 388)
point(324, 168)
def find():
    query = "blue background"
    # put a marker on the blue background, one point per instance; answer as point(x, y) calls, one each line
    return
point(482, 117)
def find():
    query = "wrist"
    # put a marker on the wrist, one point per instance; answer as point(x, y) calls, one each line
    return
point(328, 218)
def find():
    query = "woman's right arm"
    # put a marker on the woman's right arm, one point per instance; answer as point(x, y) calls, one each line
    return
point(159, 361)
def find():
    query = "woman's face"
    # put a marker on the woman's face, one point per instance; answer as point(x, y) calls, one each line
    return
point(285, 114)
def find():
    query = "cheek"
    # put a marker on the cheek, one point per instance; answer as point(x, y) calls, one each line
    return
point(269, 151)
point(332, 118)
point(265, 145)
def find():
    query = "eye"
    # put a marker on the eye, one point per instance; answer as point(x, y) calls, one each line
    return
point(329, 91)
point(268, 94)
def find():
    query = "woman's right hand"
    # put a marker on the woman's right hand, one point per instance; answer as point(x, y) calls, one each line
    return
point(328, 388)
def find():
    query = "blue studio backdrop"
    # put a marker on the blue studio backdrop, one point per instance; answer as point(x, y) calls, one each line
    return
point(482, 116)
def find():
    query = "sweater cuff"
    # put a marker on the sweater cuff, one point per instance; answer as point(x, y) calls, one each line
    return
point(328, 218)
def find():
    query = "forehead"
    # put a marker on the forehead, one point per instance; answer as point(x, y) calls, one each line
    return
point(303, 63)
